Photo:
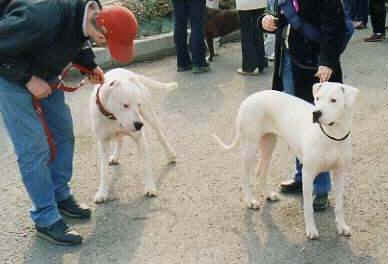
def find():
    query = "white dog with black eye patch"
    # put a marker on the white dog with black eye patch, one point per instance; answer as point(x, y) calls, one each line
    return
point(120, 108)
point(319, 136)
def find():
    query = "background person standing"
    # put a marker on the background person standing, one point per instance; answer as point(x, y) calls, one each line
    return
point(193, 10)
point(252, 39)
point(378, 15)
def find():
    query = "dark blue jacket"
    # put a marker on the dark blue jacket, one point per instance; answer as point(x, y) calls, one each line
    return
point(40, 37)
point(328, 17)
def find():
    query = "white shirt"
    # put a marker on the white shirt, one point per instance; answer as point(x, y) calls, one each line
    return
point(86, 16)
point(250, 4)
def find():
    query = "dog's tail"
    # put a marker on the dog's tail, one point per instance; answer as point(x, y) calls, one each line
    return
point(236, 138)
point(155, 84)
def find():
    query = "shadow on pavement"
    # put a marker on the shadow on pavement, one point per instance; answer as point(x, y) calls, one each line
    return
point(277, 248)
point(117, 234)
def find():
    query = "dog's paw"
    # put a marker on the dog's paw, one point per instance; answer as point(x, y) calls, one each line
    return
point(171, 158)
point(253, 204)
point(150, 191)
point(272, 197)
point(113, 162)
point(344, 230)
point(101, 197)
point(171, 85)
point(312, 232)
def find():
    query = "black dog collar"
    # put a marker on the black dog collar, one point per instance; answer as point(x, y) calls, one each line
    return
point(333, 138)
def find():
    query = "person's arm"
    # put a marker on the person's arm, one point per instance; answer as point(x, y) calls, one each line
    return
point(86, 57)
point(25, 30)
point(332, 32)
point(280, 23)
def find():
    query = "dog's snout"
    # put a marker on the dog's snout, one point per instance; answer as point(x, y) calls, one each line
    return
point(138, 125)
point(316, 115)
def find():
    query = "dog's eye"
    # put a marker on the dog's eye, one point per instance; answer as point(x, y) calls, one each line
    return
point(333, 100)
point(126, 105)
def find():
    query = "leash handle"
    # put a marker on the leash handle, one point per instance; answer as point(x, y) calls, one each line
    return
point(62, 86)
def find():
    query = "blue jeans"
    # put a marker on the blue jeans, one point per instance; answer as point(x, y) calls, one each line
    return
point(46, 182)
point(322, 183)
point(193, 10)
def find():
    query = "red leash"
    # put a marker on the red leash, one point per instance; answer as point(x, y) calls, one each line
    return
point(61, 86)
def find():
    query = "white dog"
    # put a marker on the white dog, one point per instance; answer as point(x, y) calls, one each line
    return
point(119, 108)
point(319, 136)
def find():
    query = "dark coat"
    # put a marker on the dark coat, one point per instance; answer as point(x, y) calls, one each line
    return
point(328, 17)
point(40, 37)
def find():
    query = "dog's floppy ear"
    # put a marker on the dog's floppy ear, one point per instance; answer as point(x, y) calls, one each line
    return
point(316, 88)
point(350, 93)
point(109, 86)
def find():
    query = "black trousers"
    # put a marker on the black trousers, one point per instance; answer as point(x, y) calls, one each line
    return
point(193, 10)
point(377, 14)
point(252, 41)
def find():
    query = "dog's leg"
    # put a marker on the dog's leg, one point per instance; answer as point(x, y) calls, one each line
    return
point(116, 150)
point(105, 179)
point(145, 153)
point(248, 151)
point(210, 46)
point(150, 116)
point(266, 146)
point(339, 181)
point(307, 180)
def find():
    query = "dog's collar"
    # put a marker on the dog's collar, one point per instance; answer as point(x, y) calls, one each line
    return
point(101, 107)
point(333, 138)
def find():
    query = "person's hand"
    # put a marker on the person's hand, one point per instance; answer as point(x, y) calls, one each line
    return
point(269, 23)
point(38, 88)
point(324, 73)
point(97, 76)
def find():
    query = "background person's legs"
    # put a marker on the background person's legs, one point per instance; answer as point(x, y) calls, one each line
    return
point(181, 15)
point(198, 49)
point(252, 41)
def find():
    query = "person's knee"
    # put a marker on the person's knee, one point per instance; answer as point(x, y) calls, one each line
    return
point(33, 153)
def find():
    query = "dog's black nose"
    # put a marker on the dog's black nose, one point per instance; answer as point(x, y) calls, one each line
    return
point(316, 115)
point(138, 125)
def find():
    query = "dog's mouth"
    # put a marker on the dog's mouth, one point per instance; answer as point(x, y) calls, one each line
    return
point(130, 130)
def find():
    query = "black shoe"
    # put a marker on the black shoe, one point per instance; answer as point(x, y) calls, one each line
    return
point(184, 68)
point(375, 38)
point(291, 186)
point(201, 69)
point(60, 234)
point(321, 202)
point(71, 208)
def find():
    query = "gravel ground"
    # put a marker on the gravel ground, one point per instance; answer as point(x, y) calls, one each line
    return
point(199, 216)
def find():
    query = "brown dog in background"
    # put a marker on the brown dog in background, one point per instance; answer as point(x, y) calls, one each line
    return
point(218, 23)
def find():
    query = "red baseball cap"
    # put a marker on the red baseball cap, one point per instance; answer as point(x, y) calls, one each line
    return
point(121, 26)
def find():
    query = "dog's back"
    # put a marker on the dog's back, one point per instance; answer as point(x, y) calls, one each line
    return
point(219, 22)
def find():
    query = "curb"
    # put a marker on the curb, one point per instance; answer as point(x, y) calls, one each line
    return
point(150, 48)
